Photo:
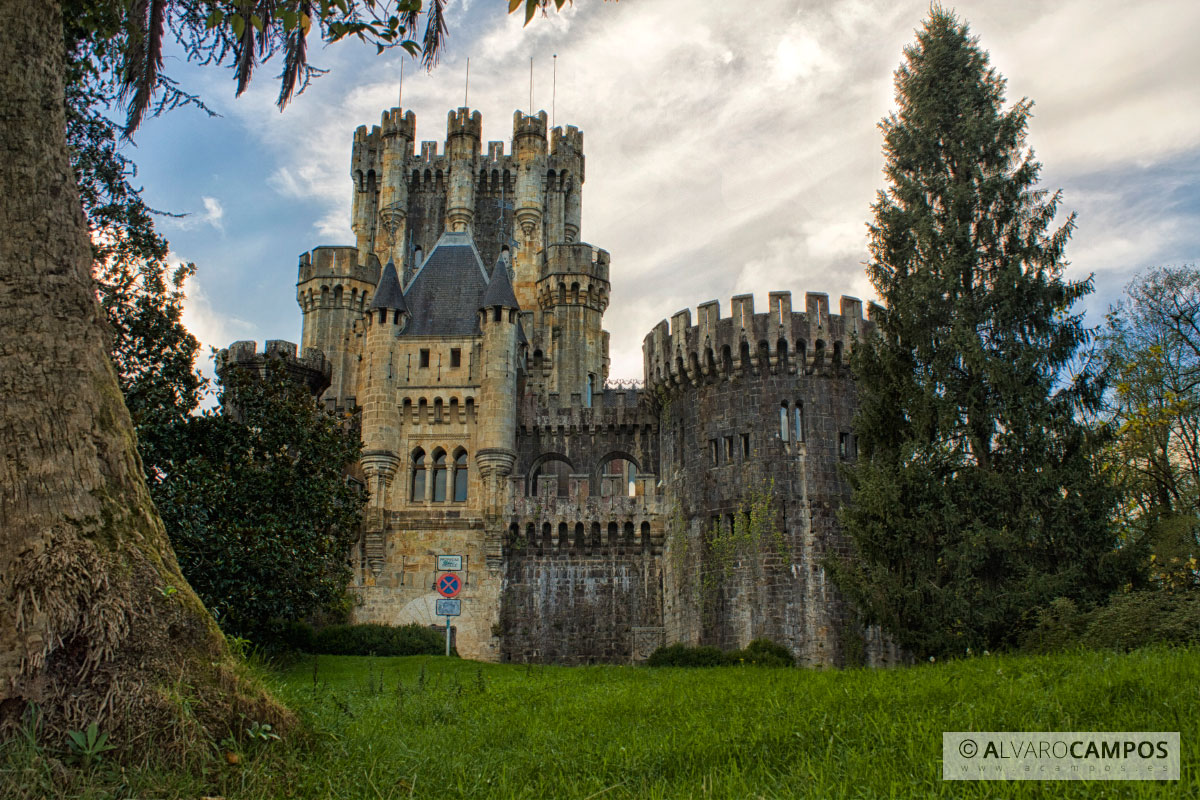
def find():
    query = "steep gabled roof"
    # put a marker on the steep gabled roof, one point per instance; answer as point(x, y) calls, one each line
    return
point(499, 291)
point(387, 292)
point(444, 296)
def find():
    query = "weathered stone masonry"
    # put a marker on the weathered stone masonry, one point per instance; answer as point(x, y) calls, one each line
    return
point(465, 324)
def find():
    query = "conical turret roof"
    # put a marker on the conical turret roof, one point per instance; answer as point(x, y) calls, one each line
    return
point(388, 293)
point(499, 291)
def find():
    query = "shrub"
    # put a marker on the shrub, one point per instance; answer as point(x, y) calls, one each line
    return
point(761, 652)
point(379, 640)
point(1127, 622)
point(296, 636)
point(1144, 618)
point(764, 653)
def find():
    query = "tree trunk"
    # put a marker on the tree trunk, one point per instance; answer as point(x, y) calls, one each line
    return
point(96, 621)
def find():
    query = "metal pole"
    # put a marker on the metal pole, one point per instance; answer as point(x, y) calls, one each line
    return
point(553, 89)
point(467, 83)
point(447, 636)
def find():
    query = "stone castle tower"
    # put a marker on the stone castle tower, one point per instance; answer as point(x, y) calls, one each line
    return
point(595, 523)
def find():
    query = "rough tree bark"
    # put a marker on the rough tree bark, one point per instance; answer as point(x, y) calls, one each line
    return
point(96, 621)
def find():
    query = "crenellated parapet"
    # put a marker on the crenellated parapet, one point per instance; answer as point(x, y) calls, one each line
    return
point(311, 369)
point(581, 522)
point(574, 274)
point(331, 277)
point(809, 341)
point(611, 410)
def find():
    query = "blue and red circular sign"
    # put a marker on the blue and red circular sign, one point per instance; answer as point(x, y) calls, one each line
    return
point(448, 585)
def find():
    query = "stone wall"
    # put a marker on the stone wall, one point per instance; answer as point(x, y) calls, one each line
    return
point(581, 608)
point(583, 577)
point(763, 430)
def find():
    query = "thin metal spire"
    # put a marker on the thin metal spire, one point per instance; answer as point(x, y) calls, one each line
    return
point(400, 94)
point(531, 86)
point(553, 89)
point(467, 84)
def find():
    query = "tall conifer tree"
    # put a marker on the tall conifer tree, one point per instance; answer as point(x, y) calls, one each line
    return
point(975, 499)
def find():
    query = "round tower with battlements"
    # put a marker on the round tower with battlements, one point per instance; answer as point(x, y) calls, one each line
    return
point(756, 413)
point(572, 293)
point(333, 289)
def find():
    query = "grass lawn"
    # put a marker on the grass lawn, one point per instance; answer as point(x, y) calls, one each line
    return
point(445, 728)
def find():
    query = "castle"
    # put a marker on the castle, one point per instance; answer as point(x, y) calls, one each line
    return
point(596, 522)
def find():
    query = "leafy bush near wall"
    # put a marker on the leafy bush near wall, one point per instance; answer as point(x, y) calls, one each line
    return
point(367, 640)
point(1127, 622)
point(760, 652)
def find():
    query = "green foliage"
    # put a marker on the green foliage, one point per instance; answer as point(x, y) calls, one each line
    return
point(378, 640)
point(88, 746)
point(680, 655)
point(1126, 622)
point(754, 533)
point(257, 506)
point(976, 497)
point(760, 652)
point(1151, 349)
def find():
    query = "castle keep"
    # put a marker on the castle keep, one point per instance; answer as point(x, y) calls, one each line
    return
point(597, 521)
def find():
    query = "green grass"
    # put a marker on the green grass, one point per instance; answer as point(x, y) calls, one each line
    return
point(445, 728)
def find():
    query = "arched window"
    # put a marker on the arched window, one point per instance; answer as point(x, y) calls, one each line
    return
point(439, 476)
point(798, 421)
point(783, 421)
point(591, 387)
point(418, 475)
point(460, 477)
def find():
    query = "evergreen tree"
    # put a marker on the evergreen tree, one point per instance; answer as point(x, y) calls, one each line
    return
point(976, 499)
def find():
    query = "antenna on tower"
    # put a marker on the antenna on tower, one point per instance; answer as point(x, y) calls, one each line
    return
point(467, 83)
point(553, 89)
point(400, 93)
point(531, 86)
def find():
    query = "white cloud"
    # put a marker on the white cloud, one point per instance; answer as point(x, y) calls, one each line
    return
point(210, 326)
point(738, 146)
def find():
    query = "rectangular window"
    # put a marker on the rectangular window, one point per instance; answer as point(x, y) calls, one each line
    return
point(843, 444)
point(745, 445)
point(455, 357)
point(424, 357)
point(712, 449)
point(728, 448)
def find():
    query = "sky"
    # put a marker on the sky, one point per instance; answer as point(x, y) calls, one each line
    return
point(731, 147)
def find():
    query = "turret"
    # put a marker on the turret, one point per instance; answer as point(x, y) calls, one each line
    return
point(566, 164)
point(573, 287)
point(501, 357)
point(396, 136)
point(529, 153)
point(364, 172)
point(333, 289)
point(387, 316)
point(464, 132)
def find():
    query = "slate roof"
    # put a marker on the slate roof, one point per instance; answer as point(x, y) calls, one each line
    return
point(444, 297)
point(387, 291)
point(499, 291)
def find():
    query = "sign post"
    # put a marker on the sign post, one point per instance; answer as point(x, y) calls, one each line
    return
point(448, 585)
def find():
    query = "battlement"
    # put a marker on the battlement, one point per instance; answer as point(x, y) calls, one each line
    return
point(529, 125)
point(335, 262)
point(611, 409)
point(311, 369)
point(567, 142)
point(396, 122)
point(578, 258)
point(588, 519)
point(464, 122)
point(718, 348)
